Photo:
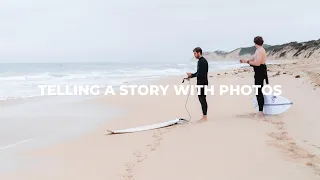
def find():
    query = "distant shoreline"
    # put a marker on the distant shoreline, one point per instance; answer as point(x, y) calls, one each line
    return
point(292, 50)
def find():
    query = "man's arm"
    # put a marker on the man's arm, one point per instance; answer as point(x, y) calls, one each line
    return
point(245, 60)
point(192, 75)
point(257, 61)
point(201, 71)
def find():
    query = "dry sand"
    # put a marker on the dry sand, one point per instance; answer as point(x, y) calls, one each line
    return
point(230, 145)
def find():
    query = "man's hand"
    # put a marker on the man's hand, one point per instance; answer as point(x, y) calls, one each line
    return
point(189, 74)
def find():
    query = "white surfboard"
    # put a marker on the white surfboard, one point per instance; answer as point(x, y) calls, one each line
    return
point(146, 127)
point(273, 104)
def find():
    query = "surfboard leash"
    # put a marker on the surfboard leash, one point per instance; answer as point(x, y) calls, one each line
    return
point(187, 102)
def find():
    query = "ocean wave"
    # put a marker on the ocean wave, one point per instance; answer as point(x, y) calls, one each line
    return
point(23, 82)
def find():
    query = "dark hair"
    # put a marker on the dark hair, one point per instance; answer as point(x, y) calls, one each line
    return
point(258, 40)
point(197, 49)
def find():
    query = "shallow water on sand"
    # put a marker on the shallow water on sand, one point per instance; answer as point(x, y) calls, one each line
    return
point(30, 124)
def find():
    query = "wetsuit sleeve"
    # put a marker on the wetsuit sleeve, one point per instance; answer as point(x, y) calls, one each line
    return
point(201, 69)
point(196, 73)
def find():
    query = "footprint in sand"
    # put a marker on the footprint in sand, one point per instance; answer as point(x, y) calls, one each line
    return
point(141, 156)
point(129, 166)
point(127, 177)
point(280, 136)
point(153, 146)
point(279, 124)
point(129, 169)
point(288, 144)
point(251, 115)
point(157, 137)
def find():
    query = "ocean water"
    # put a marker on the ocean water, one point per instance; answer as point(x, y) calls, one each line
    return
point(22, 80)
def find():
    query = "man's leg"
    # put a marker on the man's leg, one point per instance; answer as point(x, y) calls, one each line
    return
point(260, 98)
point(204, 105)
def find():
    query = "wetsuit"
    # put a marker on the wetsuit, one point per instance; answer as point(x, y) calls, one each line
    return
point(202, 79)
point(260, 74)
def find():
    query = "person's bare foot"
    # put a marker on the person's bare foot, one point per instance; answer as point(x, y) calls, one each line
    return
point(259, 115)
point(204, 118)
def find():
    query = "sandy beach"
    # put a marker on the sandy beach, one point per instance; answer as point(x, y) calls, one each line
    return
point(230, 145)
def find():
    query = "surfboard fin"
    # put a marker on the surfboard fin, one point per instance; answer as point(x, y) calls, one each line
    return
point(182, 119)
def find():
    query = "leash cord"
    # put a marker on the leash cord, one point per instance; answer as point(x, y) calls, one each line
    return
point(187, 101)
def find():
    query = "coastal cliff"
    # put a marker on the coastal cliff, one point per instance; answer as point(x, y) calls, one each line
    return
point(292, 50)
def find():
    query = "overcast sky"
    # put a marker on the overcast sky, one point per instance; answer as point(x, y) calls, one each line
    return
point(145, 30)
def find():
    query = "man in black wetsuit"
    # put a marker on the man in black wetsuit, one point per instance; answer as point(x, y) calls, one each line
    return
point(202, 79)
point(260, 71)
